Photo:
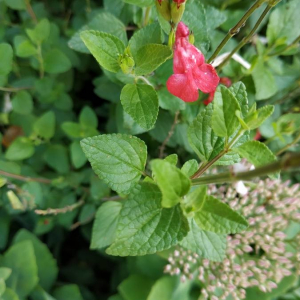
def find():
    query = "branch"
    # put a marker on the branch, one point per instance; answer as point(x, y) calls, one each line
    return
point(294, 142)
point(56, 211)
point(233, 31)
point(170, 134)
point(289, 161)
point(246, 39)
point(24, 178)
point(14, 90)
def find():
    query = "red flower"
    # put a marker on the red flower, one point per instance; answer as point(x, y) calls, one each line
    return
point(190, 70)
point(223, 80)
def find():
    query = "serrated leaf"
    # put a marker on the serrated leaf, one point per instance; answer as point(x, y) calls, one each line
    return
point(224, 123)
point(46, 264)
point(172, 159)
point(150, 57)
point(206, 244)
point(238, 89)
point(21, 259)
point(104, 22)
point(218, 217)
point(259, 116)
point(6, 62)
point(151, 34)
point(105, 225)
point(56, 62)
point(141, 103)
point(171, 181)
point(256, 153)
point(118, 159)
point(145, 227)
point(105, 48)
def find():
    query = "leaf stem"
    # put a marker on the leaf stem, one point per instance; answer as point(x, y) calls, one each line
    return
point(41, 61)
point(247, 38)
point(143, 79)
point(294, 142)
point(289, 161)
point(235, 30)
point(170, 134)
point(203, 168)
point(24, 178)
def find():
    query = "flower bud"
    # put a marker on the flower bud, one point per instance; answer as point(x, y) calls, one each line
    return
point(126, 62)
point(177, 10)
point(164, 9)
point(171, 41)
point(192, 38)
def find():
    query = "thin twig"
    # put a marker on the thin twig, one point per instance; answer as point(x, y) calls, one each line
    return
point(294, 93)
point(289, 161)
point(233, 31)
point(170, 134)
point(25, 178)
point(84, 222)
point(14, 90)
point(246, 39)
point(294, 43)
point(293, 143)
point(30, 11)
point(63, 210)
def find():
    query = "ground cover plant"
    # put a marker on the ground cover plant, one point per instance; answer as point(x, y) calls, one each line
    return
point(149, 150)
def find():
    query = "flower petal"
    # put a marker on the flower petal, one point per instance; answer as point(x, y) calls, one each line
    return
point(183, 87)
point(182, 30)
point(206, 78)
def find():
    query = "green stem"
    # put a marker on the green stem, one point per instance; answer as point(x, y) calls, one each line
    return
point(147, 16)
point(233, 31)
point(294, 43)
point(246, 39)
point(203, 168)
point(289, 161)
point(294, 142)
point(144, 79)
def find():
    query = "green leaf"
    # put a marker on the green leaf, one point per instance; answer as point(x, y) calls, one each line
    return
point(16, 4)
point(141, 103)
point(56, 62)
point(68, 292)
point(40, 33)
point(40, 294)
point(150, 57)
point(117, 159)
point(6, 62)
point(24, 48)
point(2, 286)
point(21, 148)
point(168, 101)
point(224, 122)
point(135, 287)
point(151, 34)
point(256, 153)
point(4, 226)
point(218, 217)
point(5, 273)
point(141, 3)
point(264, 81)
point(172, 159)
point(105, 47)
point(190, 167)
point(144, 226)
point(78, 158)
point(56, 157)
point(258, 118)
point(171, 181)
point(195, 200)
point(165, 288)
point(284, 23)
point(206, 244)
point(44, 126)
point(46, 264)
point(9, 294)
point(105, 225)
point(88, 117)
point(238, 89)
point(20, 259)
point(22, 103)
point(104, 22)
point(72, 129)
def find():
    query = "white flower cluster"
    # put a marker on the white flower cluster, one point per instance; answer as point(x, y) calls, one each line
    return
point(259, 257)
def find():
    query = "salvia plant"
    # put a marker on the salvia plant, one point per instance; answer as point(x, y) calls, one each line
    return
point(159, 134)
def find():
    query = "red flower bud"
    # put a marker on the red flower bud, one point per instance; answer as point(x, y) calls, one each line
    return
point(179, 2)
point(164, 9)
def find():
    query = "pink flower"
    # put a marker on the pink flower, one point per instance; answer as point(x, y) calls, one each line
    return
point(190, 70)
